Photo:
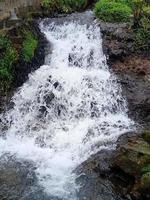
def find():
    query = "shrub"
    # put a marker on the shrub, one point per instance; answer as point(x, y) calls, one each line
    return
point(145, 22)
point(146, 11)
point(8, 57)
point(113, 11)
point(30, 43)
point(75, 4)
point(146, 169)
point(142, 38)
point(51, 4)
point(64, 5)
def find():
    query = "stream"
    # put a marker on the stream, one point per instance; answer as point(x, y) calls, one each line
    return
point(68, 110)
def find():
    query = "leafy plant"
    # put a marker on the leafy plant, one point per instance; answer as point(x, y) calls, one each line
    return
point(8, 57)
point(142, 38)
point(29, 45)
point(146, 11)
point(113, 11)
point(64, 5)
point(146, 169)
point(137, 6)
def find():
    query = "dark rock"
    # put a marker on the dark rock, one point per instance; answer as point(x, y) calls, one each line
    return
point(117, 40)
point(48, 98)
point(18, 180)
point(136, 89)
point(56, 84)
point(118, 172)
point(98, 175)
point(119, 46)
point(101, 161)
point(132, 155)
point(42, 111)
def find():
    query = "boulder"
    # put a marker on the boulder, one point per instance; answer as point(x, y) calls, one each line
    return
point(18, 180)
point(124, 171)
point(132, 155)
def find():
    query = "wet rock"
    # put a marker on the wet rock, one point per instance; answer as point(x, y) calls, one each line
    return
point(136, 89)
point(42, 111)
point(56, 84)
point(100, 161)
point(48, 98)
point(18, 180)
point(131, 67)
point(132, 155)
point(124, 172)
point(117, 40)
point(119, 46)
point(145, 180)
point(100, 181)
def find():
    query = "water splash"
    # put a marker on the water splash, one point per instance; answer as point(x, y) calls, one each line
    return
point(68, 109)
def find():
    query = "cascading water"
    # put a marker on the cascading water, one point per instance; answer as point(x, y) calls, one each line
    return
point(69, 109)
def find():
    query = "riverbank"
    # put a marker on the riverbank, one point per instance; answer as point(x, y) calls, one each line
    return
point(131, 66)
point(23, 66)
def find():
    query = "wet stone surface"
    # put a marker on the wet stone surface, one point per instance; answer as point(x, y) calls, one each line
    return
point(18, 180)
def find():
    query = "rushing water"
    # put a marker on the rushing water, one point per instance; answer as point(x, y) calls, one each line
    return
point(68, 109)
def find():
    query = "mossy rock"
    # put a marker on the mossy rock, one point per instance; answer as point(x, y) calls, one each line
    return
point(133, 156)
point(145, 180)
point(146, 136)
point(10, 177)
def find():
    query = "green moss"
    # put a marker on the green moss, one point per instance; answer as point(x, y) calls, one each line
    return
point(146, 136)
point(146, 169)
point(8, 57)
point(145, 180)
point(30, 43)
point(112, 11)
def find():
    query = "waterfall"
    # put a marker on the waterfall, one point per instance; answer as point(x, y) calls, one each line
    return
point(69, 109)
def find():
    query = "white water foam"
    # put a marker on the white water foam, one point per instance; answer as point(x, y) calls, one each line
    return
point(68, 109)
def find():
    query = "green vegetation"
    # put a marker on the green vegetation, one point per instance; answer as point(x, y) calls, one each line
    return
point(146, 136)
point(7, 58)
point(30, 43)
point(146, 11)
point(64, 5)
point(9, 55)
point(137, 12)
point(142, 38)
point(112, 11)
point(122, 10)
point(145, 180)
point(146, 169)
